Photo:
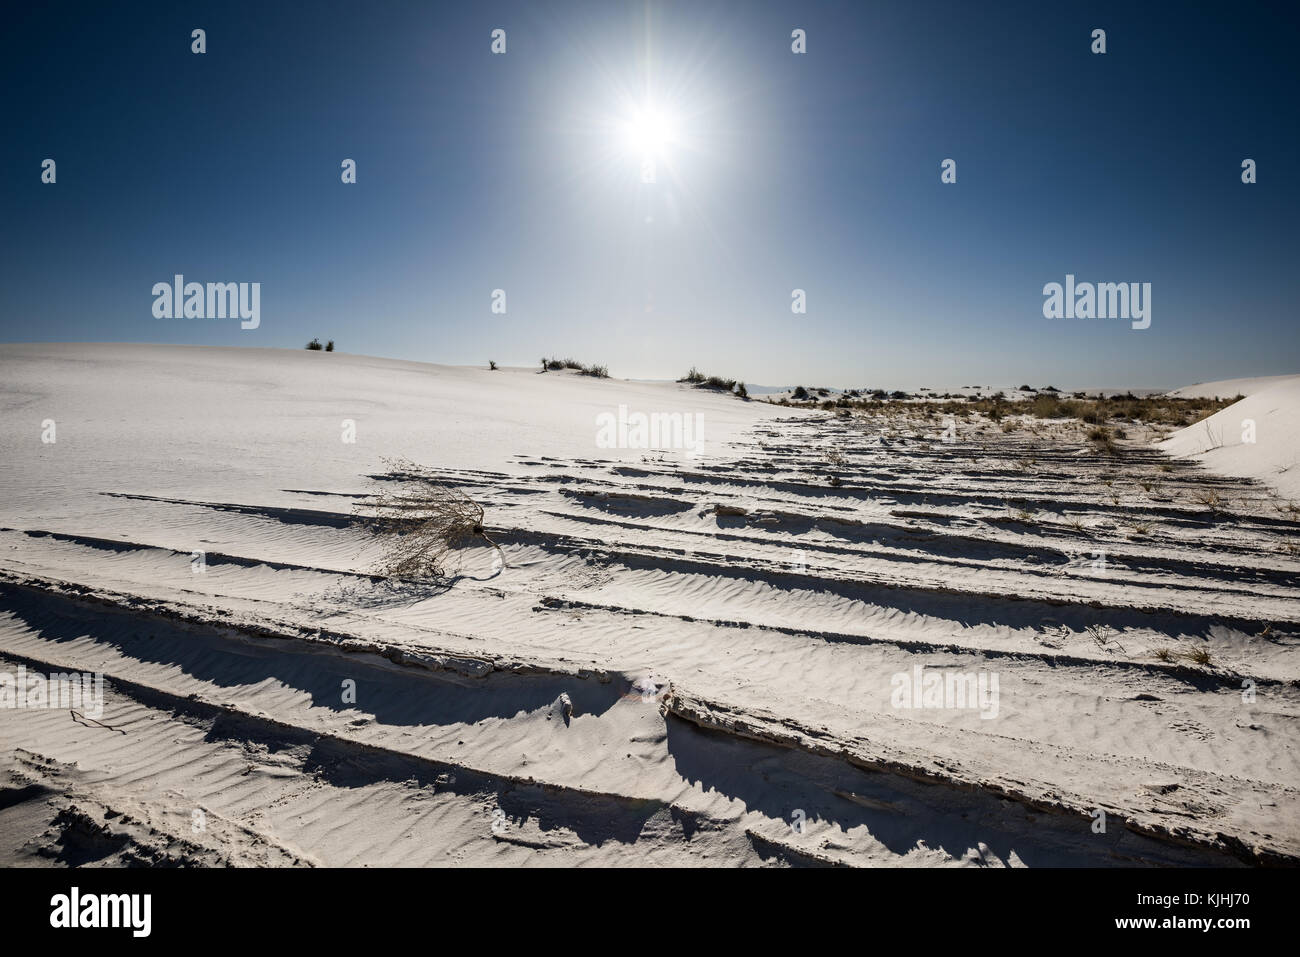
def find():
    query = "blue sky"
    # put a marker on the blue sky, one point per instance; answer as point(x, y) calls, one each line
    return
point(817, 171)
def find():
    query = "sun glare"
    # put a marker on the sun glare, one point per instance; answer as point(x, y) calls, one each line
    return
point(649, 131)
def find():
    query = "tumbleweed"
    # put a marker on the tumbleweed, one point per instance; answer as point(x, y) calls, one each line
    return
point(425, 522)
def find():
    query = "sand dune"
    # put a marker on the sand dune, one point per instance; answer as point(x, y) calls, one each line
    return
point(1258, 437)
point(1229, 388)
point(691, 658)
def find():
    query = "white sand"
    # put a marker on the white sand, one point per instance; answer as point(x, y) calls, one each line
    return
point(728, 674)
point(1228, 388)
point(1258, 437)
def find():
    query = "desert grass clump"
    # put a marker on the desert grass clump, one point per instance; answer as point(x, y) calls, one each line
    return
point(315, 346)
point(556, 365)
point(1211, 500)
point(1102, 634)
point(717, 383)
point(1200, 656)
point(424, 522)
point(1102, 438)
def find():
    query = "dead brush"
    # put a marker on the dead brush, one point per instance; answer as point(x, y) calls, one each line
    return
point(1102, 634)
point(1211, 500)
point(425, 523)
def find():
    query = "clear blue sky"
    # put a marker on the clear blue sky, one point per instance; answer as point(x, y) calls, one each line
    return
point(817, 171)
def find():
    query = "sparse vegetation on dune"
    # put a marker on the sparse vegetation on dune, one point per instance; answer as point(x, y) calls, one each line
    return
point(1047, 404)
point(597, 371)
point(701, 381)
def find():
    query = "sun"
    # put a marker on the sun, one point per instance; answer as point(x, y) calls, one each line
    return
point(649, 131)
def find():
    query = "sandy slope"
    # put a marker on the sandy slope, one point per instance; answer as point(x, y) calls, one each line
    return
point(1258, 437)
point(687, 656)
point(1228, 388)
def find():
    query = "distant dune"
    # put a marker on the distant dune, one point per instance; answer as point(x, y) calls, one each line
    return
point(1228, 388)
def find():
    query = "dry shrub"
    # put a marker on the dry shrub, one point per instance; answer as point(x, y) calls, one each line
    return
point(425, 523)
